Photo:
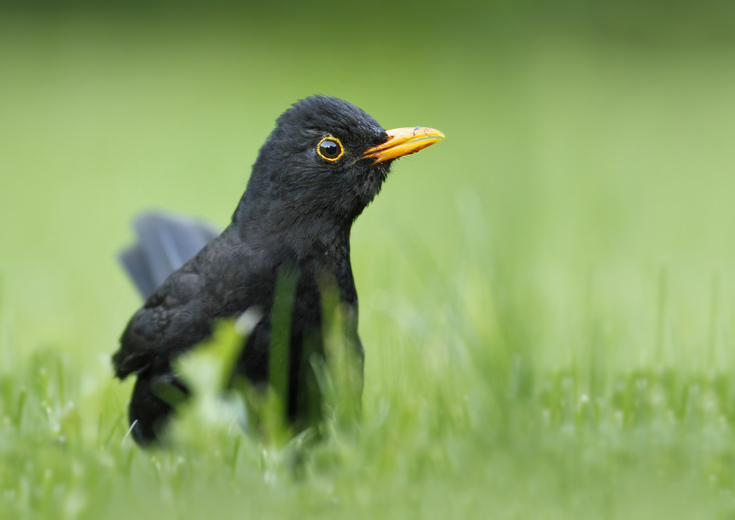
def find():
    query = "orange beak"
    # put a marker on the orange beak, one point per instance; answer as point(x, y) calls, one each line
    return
point(403, 141)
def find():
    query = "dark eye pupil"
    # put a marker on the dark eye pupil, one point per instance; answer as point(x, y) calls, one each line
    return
point(329, 149)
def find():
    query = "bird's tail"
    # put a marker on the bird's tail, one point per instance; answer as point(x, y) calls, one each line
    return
point(165, 242)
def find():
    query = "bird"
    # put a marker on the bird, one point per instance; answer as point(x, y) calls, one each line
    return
point(320, 167)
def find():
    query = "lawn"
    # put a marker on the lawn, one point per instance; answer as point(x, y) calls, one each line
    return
point(547, 297)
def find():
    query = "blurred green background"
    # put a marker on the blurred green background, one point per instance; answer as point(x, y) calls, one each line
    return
point(579, 216)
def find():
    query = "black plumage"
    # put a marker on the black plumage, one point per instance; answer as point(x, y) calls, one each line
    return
point(165, 243)
point(321, 166)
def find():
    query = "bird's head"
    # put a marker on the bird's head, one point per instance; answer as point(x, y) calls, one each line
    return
point(327, 159)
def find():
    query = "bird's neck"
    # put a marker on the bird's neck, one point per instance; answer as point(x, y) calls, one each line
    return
point(305, 231)
point(317, 243)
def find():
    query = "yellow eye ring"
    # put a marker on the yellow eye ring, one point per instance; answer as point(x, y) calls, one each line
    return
point(330, 149)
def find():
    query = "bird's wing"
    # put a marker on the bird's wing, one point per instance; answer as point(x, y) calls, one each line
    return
point(224, 279)
point(171, 320)
point(165, 242)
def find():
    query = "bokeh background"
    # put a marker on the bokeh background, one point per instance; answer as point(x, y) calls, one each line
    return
point(588, 136)
point(586, 177)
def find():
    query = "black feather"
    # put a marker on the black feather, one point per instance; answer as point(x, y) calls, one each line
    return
point(295, 216)
point(165, 242)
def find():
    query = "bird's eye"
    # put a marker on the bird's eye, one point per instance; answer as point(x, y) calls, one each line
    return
point(330, 149)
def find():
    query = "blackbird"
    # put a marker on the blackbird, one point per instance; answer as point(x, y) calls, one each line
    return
point(320, 167)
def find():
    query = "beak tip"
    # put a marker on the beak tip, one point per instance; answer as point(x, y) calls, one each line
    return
point(430, 131)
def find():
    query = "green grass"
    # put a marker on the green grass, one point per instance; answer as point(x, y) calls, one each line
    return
point(546, 296)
